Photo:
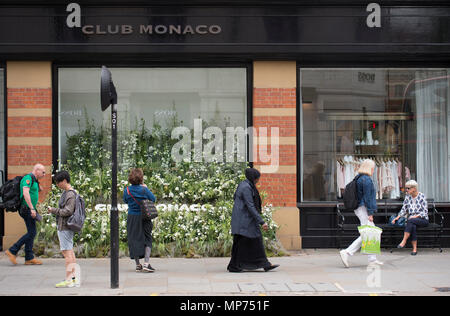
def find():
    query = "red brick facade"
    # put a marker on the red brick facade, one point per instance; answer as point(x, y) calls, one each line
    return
point(29, 98)
point(281, 187)
point(29, 126)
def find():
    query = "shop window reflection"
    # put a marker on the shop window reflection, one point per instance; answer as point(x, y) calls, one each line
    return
point(397, 117)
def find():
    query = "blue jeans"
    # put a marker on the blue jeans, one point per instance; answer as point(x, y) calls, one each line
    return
point(412, 224)
point(28, 238)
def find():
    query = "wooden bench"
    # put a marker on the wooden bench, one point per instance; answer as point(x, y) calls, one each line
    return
point(429, 236)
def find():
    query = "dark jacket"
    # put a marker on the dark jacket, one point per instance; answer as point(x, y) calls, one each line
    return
point(245, 218)
point(366, 193)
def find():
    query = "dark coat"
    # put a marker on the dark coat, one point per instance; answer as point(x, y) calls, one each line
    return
point(245, 218)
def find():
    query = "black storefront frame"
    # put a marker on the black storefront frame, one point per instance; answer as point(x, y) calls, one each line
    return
point(399, 49)
point(5, 142)
point(55, 107)
point(314, 237)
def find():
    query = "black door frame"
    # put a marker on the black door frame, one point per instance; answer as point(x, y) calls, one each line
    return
point(5, 142)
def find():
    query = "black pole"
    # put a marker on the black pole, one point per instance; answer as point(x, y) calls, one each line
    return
point(114, 217)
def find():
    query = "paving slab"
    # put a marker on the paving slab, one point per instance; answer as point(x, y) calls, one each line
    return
point(324, 287)
point(225, 287)
point(300, 287)
point(251, 287)
point(275, 287)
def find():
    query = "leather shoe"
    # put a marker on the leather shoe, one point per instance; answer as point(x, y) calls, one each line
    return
point(32, 262)
point(271, 267)
point(11, 257)
point(400, 247)
point(413, 253)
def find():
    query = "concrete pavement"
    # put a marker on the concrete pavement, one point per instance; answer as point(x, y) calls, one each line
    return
point(308, 272)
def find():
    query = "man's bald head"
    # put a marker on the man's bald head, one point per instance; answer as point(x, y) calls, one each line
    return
point(39, 171)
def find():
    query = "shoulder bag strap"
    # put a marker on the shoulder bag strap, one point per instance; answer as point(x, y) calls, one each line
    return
point(128, 191)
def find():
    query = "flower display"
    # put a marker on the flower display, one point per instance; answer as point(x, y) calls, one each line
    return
point(196, 231)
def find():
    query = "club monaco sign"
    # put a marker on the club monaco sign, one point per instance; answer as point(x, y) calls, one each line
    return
point(151, 29)
point(160, 207)
point(74, 20)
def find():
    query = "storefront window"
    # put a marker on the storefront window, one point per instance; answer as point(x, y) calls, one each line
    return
point(151, 101)
point(397, 117)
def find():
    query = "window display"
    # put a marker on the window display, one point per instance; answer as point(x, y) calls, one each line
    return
point(151, 101)
point(396, 117)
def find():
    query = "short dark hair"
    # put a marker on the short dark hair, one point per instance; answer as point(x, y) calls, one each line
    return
point(136, 176)
point(61, 176)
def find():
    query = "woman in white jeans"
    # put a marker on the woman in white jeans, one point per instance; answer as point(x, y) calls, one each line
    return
point(367, 206)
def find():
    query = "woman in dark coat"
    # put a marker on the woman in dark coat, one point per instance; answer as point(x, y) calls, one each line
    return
point(248, 248)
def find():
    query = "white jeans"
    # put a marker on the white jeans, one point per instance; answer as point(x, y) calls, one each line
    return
point(363, 216)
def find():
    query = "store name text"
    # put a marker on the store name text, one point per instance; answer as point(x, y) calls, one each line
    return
point(74, 21)
point(150, 29)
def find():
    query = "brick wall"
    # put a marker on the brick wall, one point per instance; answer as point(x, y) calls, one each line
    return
point(269, 107)
point(274, 106)
point(29, 130)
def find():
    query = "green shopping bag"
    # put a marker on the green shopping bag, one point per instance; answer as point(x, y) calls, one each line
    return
point(371, 239)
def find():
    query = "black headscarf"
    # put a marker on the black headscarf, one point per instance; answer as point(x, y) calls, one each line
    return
point(252, 175)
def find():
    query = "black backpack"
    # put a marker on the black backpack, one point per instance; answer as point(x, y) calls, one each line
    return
point(351, 194)
point(10, 194)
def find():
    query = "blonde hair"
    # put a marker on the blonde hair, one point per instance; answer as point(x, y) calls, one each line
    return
point(412, 183)
point(366, 167)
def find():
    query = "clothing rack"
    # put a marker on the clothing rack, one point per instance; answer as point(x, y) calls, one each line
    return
point(387, 178)
point(380, 153)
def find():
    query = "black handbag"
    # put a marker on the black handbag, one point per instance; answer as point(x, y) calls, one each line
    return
point(148, 208)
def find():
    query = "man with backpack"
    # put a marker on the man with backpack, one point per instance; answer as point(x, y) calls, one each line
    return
point(29, 196)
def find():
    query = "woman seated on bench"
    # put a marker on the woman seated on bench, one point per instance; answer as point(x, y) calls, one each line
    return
point(416, 208)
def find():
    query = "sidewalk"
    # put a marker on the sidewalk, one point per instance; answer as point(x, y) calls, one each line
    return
point(309, 272)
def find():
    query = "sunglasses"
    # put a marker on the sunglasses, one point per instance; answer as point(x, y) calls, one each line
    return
point(408, 188)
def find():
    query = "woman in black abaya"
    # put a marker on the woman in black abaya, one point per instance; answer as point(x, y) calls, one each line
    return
point(248, 251)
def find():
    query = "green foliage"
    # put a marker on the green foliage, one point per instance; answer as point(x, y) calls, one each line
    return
point(176, 232)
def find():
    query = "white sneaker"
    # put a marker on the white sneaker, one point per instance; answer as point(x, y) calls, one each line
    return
point(65, 284)
point(376, 262)
point(344, 257)
point(76, 282)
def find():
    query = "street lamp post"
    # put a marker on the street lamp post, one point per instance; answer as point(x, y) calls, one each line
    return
point(109, 97)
